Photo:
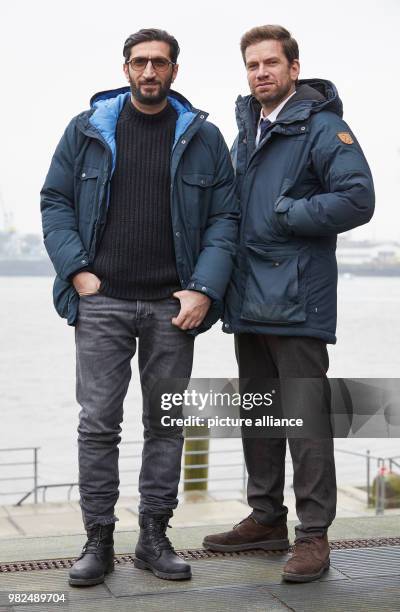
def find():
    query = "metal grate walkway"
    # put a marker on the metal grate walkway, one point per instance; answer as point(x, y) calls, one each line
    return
point(194, 554)
point(364, 577)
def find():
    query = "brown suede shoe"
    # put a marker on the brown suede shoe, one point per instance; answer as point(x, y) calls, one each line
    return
point(309, 561)
point(249, 534)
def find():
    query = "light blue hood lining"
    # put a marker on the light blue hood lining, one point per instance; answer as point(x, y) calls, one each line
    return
point(106, 114)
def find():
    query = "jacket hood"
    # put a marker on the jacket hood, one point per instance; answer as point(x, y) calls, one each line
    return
point(319, 94)
point(109, 94)
point(107, 105)
point(312, 96)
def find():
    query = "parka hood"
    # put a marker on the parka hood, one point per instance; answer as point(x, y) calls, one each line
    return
point(312, 96)
point(107, 105)
point(111, 94)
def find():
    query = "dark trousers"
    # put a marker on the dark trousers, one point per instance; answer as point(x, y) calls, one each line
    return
point(107, 334)
point(314, 480)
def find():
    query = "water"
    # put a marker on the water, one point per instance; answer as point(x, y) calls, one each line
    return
point(37, 373)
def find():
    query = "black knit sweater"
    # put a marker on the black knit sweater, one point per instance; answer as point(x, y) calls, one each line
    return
point(136, 257)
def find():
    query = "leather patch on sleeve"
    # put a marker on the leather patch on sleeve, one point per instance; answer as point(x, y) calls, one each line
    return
point(345, 137)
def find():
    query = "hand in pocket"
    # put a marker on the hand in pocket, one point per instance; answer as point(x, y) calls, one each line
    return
point(86, 283)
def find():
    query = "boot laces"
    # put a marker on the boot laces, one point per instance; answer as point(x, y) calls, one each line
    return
point(95, 536)
point(305, 540)
point(242, 521)
point(303, 544)
point(157, 529)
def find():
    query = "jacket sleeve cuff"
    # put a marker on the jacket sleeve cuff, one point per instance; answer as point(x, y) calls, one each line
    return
point(87, 268)
point(194, 286)
point(283, 204)
point(283, 222)
point(282, 207)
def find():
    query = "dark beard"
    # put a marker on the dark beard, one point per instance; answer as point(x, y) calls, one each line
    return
point(276, 98)
point(151, 100)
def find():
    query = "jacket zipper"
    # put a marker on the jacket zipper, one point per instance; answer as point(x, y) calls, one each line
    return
point(105, 187)
point(177, 232)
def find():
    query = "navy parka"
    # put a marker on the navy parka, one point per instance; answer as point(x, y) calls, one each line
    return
point(305, 182)
point(204, 209)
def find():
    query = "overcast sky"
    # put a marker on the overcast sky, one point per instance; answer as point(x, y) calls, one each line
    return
point(55, 55)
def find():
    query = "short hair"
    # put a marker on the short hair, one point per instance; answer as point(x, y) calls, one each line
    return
point(149, 34)
point(271, 32)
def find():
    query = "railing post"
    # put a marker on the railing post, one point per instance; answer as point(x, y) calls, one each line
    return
point(197, 459)
point(35, 474)
point(380, 488)
point(368, 479)
point(383, 488)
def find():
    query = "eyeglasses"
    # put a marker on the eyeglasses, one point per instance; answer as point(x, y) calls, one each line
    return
point(160, 64)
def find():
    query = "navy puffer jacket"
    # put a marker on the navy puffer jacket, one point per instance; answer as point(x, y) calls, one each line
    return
point(204, 209)
point(306, 182)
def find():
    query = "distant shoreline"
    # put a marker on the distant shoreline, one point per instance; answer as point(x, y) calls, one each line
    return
point(44, 267)
point(26, 267)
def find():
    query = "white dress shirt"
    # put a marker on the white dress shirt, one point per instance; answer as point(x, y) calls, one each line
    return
point(272, 116)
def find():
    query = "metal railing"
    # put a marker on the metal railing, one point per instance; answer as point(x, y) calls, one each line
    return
point(374, 495)
point(240, 477)
point(44, 488)
point(393, 461)
point(33, 463)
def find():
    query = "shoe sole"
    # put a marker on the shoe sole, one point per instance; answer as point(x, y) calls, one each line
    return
point(266, 545)
point(144, 565)
point(288, 577)
point(90, 581)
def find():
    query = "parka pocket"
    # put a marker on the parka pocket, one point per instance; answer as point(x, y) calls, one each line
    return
point(275, 285)
point(64, 298)
point(197, 194)
point(87, 184)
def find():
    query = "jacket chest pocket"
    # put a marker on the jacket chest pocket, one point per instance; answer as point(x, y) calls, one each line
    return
point(197, 194)
point(87, 186)
point(275, 285)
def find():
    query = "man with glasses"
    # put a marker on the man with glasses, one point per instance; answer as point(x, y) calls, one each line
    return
point(140, 222)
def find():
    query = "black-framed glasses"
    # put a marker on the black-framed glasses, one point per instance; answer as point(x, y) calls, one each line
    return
point(160, 64)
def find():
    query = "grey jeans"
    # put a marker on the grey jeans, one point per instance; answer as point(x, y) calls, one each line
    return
point(106, 335)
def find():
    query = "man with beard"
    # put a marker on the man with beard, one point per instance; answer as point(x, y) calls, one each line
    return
point(302, 179)
point(140, 221)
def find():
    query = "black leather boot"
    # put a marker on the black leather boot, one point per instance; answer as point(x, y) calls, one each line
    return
point(155, 552)
point(96, 559)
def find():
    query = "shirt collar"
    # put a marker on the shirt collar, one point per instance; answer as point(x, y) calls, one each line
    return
point(273, 115)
